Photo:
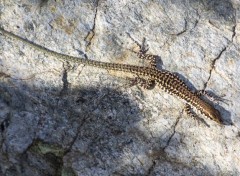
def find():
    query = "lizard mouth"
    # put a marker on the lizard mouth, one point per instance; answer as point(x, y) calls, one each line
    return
point(215, 115)
point(211, 112)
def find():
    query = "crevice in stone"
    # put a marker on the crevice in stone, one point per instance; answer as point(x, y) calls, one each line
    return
point(151, 169)
point(4, 75)
point(76, 136)
point(84, 120)
point(195, 25)
point(184, 30)
point(212, 24)
point(174, 131)
point(213, 66)
point(149, 129)
point(65, 81)
point(234, 31)
point(5, 123)
point(91, 33)
point(86, 117)
point(235, 25)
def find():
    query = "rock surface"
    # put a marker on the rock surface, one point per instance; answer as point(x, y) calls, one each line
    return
point(68, 119)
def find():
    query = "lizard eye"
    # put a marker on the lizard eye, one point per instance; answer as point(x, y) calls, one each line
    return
point(216, 116)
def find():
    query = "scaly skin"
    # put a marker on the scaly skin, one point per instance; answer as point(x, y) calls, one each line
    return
point(168, 81)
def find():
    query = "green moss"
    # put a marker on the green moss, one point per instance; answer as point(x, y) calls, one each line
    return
point(67, 171)
point(44, 148)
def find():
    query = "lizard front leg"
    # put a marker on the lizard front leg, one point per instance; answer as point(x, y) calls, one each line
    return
point(142, 53)
point(210, 96)
point(149, 57)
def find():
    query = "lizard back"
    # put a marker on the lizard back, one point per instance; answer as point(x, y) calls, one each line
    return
point(168, 81)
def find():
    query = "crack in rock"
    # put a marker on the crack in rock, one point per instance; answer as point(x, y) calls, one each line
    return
point(235, 24)
point(151, 169)
point(86, 117)
point(184, 30)
point(213, 66)
point(65, 82)
point(174, 131)
point(234, 31)
point(4, 125)
point(76, 136)
point(91, 33)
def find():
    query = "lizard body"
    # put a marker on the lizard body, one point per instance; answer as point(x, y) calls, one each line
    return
point(168, 81)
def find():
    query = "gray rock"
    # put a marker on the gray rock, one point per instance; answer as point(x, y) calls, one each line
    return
point(68, 119)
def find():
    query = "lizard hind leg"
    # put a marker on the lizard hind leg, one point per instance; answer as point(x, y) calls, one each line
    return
point(145, 83)
point(189, 111)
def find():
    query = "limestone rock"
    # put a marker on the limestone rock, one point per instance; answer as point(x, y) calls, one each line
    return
point(68, 119)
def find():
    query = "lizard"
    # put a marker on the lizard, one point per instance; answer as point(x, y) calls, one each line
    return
point(166, 80)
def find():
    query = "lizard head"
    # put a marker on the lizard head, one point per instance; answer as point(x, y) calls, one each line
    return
point(211, 112)
point(215, 115)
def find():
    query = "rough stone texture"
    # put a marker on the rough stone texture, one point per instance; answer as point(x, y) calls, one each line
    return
point(68, 119)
